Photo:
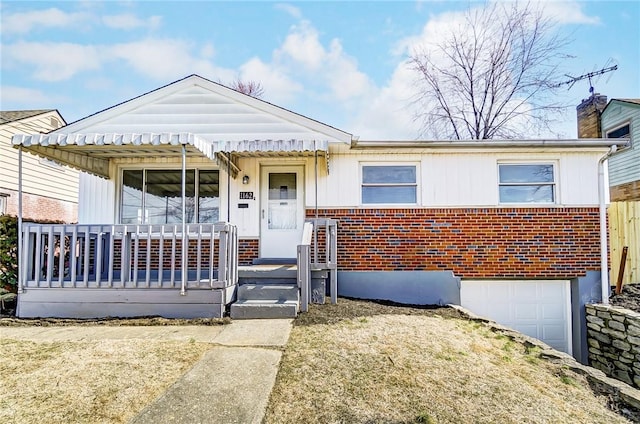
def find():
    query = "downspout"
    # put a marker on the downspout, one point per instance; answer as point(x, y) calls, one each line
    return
point(183, 287)
point(604, 263)
point(315, 152)
point(20, 247)
point(228, 186)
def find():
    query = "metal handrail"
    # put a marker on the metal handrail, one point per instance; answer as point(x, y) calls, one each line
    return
point(311, 257)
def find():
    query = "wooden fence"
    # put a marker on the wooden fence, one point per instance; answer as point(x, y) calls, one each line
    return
point(624, 230)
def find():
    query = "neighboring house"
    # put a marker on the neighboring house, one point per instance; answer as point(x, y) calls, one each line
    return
point(621, 119)
point(509, 229)
point(50, 190)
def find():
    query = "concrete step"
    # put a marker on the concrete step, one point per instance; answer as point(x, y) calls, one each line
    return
point(280, 292)
point(270, 272)
point(264, 309)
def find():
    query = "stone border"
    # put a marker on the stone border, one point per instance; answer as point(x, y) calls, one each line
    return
point(624, 398)
point(614, 341)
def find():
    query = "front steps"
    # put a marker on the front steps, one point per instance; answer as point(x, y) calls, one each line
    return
point(271, 291)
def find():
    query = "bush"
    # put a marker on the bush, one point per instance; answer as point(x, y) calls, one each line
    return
point(9, 253)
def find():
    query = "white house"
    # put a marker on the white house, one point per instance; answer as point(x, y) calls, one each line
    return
point(509, 229)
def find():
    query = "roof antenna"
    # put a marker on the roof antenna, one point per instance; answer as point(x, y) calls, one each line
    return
point(572, 80)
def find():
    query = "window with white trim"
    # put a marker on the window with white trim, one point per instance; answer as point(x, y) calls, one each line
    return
point(527, 183)
point(389, 184)
point(623, 131)
point(154, 196)
point(3, 203)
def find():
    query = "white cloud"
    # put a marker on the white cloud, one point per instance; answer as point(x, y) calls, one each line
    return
point(24, 96)
point(25, 22)
point(165, 59)
point(388, 113)
point(128, 21)
point(289, 9)
point(302, 44)
point(302, 54)
point(567, 12)
point(208, 51)
point(278, 86)
point(53, 61)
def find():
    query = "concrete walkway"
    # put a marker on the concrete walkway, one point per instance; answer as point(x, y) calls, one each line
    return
point(230, 384)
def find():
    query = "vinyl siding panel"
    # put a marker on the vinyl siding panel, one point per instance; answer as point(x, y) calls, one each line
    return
point(40, 177)
point(462, 179)
point(211, 115)
point(624, 167)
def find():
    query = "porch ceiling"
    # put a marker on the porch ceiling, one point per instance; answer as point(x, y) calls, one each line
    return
point(229, 151)
point(92, 152)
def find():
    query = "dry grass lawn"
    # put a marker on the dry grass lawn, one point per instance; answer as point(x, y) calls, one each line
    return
point(355, 362)
point(361, 363)
point(87, 382)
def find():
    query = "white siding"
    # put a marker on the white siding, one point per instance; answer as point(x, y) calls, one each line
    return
point(40, 177)
point(96, 200)
point(457, 179)
point(199, 110)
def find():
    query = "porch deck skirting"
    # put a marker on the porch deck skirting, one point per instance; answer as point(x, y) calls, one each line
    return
point(112, 302)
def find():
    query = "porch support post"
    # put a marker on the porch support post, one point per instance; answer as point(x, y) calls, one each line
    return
point(183, 287)
point(20, 247)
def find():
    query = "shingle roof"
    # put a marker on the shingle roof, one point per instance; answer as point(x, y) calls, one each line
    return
point(16, 115)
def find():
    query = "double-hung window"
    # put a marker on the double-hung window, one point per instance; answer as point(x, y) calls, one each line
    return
point(154, 196)
point(527, 183)
point(389, 184)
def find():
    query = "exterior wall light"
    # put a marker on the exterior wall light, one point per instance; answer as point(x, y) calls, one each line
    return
point(245, 179)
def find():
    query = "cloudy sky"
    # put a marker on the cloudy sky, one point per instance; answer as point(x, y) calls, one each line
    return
point(342, 63)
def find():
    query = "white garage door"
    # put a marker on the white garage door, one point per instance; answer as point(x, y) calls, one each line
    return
point(540, 309)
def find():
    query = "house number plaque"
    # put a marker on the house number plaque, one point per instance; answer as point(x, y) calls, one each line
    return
point(246, 195)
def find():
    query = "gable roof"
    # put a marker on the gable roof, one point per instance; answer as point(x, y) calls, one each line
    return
point(211, 111)
point(7, 116)
point(629, 102)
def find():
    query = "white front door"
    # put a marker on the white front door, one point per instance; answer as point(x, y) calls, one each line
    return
point(282, 210)
point(538, 308)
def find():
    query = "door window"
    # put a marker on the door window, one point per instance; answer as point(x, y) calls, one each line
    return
point(283, 208)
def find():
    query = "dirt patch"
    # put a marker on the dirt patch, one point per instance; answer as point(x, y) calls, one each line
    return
point(353, 308)
point(629, 298)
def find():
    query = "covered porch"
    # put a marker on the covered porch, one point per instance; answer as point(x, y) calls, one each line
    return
point(175, 270)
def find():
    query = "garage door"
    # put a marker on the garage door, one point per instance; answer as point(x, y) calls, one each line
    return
point(540, 309)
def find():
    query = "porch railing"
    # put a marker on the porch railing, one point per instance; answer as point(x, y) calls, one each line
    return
point(129, 256)
point(318, 250)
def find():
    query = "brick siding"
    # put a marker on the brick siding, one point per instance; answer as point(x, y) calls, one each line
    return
point(471, 242)
point(247, 251)
point(40, 208)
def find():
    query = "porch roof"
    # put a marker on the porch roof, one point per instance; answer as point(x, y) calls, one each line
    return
point(91, 152)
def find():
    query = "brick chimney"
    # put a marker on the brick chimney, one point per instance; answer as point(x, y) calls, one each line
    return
point(589, 125)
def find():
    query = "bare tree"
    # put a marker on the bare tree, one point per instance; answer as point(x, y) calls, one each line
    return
point(491, 76)
point(250, 88)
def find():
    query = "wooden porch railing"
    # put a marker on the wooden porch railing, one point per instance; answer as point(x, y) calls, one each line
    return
point(318, 251)
point(128, 256)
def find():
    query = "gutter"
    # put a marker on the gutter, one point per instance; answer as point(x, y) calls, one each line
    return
point(604, 264)
point(589, 142)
